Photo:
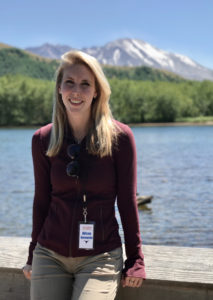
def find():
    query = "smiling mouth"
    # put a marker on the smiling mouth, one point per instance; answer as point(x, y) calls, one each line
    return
point(74, 101)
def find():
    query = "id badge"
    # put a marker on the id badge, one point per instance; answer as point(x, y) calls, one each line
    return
point(86, 235)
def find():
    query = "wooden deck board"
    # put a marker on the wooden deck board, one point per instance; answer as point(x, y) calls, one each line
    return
point(168, 263)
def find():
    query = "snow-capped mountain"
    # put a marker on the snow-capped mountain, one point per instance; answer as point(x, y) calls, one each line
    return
point(133, 52)
point(49, 50)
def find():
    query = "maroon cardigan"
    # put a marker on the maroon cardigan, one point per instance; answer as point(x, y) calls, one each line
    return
point(58, 203)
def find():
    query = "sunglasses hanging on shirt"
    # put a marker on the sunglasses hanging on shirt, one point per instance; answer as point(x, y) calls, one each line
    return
point(73, 168)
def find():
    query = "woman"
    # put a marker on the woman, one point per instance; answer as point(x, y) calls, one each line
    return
point(83, 161)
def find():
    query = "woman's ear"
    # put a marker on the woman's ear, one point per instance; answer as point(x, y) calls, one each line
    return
point(95, 95)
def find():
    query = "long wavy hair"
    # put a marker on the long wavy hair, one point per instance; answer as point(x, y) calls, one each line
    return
point(103, 131)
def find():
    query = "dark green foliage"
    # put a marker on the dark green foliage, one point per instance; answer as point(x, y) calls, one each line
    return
point(146, 101)
point(25, 101)
point(28, 101)
point(204, 98)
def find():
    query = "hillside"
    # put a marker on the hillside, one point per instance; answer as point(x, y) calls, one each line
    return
point(16, 61)
point(2, 46)
point(141, 73)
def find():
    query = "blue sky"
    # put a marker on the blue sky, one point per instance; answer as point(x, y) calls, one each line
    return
point(183, 27)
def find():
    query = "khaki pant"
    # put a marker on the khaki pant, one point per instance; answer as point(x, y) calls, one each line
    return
point(56, 277)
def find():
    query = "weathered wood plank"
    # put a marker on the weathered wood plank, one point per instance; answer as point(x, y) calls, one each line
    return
point(184, 264)
point(179, 264)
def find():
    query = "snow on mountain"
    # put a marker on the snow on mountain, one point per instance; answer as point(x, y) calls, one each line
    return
point(133, 52)
point(49, 50)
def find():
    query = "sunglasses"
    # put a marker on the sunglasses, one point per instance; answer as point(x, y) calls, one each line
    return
point(73, 167)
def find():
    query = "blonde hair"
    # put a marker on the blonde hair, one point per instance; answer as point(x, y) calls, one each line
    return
point(103, 131)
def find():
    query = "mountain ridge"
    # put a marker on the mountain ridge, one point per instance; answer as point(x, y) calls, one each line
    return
point(17, 61)
point(134, 52)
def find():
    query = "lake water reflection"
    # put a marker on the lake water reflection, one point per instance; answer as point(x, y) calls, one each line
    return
point(175, 165)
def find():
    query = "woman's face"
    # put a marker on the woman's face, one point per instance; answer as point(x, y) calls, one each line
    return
point(78, 89)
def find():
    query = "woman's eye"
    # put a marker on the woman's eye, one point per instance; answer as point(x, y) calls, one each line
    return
point(69, 82)
point(86, 83)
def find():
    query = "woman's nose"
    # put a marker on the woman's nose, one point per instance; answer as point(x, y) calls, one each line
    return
point(76, 89)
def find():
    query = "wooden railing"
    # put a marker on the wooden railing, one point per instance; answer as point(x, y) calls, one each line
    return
point(172, 273)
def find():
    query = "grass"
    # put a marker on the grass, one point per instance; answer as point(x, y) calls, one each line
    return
point(199, 119)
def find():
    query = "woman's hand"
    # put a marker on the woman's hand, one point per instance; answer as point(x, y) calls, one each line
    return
point(131, 281)
point(27, 270)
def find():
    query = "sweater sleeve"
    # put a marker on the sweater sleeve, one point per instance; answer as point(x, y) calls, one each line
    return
point(42, 195)
point(126, 168)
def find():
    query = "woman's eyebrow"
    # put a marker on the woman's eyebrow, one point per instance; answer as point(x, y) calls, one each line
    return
point(86, 80)
point(82, 80)
point(69, 77)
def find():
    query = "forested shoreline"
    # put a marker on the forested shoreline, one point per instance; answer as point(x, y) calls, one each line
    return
point(139, 94)
point(28, 101)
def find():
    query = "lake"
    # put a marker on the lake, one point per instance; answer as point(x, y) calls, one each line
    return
point(175, 165)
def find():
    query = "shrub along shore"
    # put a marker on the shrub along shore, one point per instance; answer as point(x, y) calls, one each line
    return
point(26, 101)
